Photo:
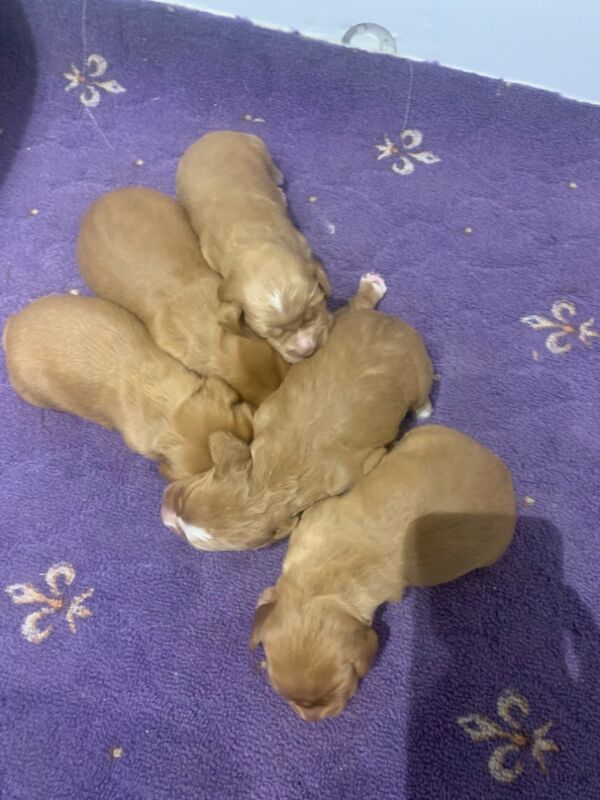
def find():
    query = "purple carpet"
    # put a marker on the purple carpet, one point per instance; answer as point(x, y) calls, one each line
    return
point(124, 668)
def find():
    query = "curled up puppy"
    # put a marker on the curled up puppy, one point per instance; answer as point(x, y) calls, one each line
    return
point(272, 286)
point(326, 426)
point(91, 358)
point(436, 507)
point(136, 248)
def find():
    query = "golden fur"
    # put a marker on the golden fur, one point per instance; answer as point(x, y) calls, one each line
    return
point(326, 425)
point(91, 358)
point(272, 284)
point(136, 248)
point(436, 507)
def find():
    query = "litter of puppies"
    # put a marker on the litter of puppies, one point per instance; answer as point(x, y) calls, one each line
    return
point(210, 348)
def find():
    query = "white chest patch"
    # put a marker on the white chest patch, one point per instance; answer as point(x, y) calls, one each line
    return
point(192, 533)
point(275, 301)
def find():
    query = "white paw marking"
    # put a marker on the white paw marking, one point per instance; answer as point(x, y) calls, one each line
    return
point(425, 411)
point(376, 281)
point(193, 533)
point(170, 524)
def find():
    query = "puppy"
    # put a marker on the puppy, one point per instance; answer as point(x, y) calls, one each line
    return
point(272, 285)
point(91, 358)
point(436, 507)
point(136, 248)
point(326, 425)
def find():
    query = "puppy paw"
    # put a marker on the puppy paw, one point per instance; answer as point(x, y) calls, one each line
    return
point(375, 282)
point(425, 411)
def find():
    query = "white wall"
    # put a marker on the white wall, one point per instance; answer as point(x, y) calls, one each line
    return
point(549, 43)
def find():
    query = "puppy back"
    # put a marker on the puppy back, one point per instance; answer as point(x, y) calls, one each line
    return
point(370, 370)
point(453, 498)
point(67, 336)
point(220, 154)
point(137, 241)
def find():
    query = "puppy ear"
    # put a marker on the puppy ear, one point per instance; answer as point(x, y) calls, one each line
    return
point(322, 277)
point(218, 390)
point(366, 647)
point(266, 603)
point(286, 528)
point(227, 450)
point(231, 318)
point(230, 315)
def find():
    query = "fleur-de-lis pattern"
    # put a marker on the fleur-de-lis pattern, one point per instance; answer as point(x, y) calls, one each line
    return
point(86, 80)
point(565, 331)
point(406, 153)
point(508, 759)
point(35, 627)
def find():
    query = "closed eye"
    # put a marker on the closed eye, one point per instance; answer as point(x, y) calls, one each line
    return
point(298, 322)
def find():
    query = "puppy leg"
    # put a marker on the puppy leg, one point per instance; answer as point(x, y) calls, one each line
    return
point(371, 289)
point(373, 459)
point(422, 407)
point(424, 410)
point(277, 174)
point(268, 595)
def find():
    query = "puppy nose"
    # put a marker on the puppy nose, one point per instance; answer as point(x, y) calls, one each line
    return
point(305, 346)
point(168, 517)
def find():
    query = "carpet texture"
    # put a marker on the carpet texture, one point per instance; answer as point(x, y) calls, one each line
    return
point(124, 667)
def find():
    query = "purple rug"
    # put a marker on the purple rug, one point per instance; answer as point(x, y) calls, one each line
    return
point(124, 668)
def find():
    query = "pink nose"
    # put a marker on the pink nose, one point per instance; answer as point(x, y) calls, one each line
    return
point(168, 516)
point(305, 346)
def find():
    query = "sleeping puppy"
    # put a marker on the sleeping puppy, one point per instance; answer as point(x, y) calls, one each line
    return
point(325, 427)
point(94, 359)
point(136, 248)
point(272, 287)
point(436, 507)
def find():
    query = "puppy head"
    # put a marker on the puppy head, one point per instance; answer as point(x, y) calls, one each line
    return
point(281, 299)
point(316, 652)
point(214, 407)
point(218, 509)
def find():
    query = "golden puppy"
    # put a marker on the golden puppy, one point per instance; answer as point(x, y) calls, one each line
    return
point(272, 285)
point(436, 507)
point(94, 359)
point(326, 425)
point(136, 248)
